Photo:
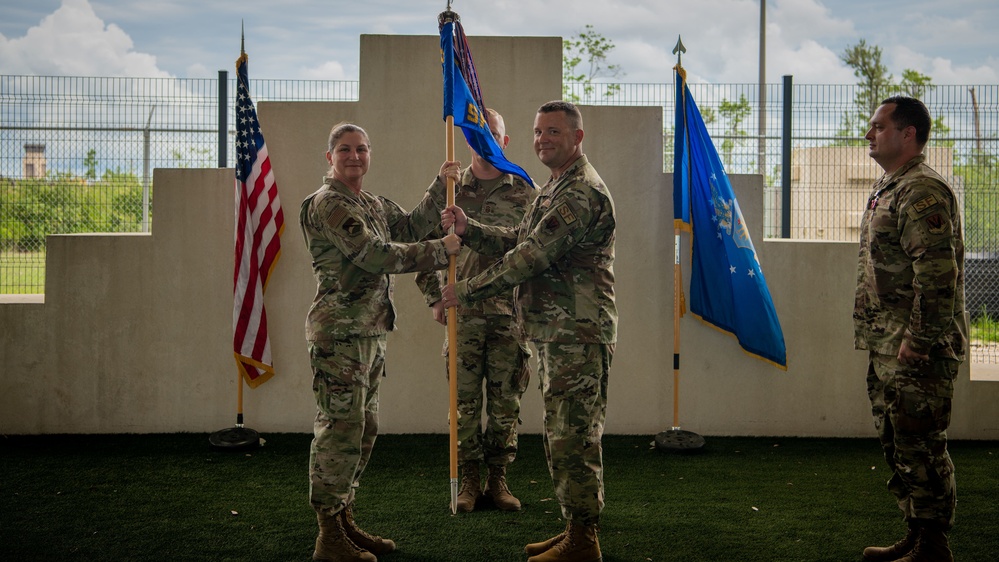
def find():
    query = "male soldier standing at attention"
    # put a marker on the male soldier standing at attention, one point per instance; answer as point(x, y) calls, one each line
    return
point(910, 315)
point(490, 345)
point(561, 261)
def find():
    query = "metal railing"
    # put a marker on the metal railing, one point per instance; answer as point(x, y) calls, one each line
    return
point(77, 154)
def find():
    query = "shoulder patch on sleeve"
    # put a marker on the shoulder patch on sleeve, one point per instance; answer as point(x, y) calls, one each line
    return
point(566, 213)
point(925, 203)
point(336, 217)
point(935, 223)
point(340, 219)
point(552, 225)
point(351, 226)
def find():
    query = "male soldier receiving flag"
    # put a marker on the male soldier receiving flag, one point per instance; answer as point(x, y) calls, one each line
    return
point(910, 315)
point(560, 260)
point(490, 345)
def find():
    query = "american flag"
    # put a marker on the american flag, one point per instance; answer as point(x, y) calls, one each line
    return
point(259, 222)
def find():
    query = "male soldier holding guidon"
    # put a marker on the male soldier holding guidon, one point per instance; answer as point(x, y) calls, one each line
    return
point(561, 261)
point(910, 315)
point(490, 345)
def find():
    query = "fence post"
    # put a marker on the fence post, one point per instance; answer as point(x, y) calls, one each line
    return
point(145, 170)
point(223, 118)
point(785, 161)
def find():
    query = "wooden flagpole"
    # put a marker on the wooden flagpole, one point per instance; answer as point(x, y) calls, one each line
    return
point(676, 439)
point(452, 337)
point(239, 437)
point(452, 313)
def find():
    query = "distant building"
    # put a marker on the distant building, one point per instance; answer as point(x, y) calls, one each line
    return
point(34, 160)
point(830, 187)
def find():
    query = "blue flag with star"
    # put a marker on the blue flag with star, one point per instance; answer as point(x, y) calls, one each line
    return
point(727, 286)
point(466, 108)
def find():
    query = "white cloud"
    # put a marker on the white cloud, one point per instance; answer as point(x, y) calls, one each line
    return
point(942, 70)
point(304, 39)
point(329, 70)
point(199, 70)
point(73, 41)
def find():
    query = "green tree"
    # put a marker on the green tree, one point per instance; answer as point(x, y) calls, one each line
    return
point(90, 165)
point(874, 86)
point(875, 82)
point(193, 158)
point(981, 199)
point(584, 57)
point(735, 113)
point(63, 203)
point(124, 192)
point(915, 83)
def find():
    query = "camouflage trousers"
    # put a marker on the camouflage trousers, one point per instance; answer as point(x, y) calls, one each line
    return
point(489, 352)
point(574, 387)
point(346, 377)
point(912, 408)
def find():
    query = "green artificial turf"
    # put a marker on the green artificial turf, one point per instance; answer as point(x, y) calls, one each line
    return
point(169, 497)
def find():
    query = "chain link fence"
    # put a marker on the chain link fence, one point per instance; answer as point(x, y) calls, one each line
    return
point(816, 182)
point(77, 154)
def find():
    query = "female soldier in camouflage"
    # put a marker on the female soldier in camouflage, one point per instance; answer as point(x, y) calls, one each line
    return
point(357, 240)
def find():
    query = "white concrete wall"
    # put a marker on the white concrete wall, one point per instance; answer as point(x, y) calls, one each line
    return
point(134, 334)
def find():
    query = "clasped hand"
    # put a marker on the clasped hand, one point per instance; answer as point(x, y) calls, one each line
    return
point(452, 243)
point(454, 216)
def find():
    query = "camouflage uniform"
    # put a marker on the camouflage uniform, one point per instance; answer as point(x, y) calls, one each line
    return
point(353, 242)
point(910, 286)
point(561, 264)
point(489, 345)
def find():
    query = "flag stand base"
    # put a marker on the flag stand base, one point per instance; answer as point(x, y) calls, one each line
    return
point(237, 438)
point(676, 440)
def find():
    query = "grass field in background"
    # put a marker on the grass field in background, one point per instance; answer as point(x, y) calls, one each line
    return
point(22, 273)
point(985, 329)
point(168, 497)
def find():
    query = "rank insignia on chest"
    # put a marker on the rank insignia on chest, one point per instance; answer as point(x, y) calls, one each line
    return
point(488, 207)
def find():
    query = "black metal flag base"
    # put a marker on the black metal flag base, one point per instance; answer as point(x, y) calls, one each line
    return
point(234, 439)
point(677, 440)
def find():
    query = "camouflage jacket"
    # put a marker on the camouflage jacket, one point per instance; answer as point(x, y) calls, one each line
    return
point(560, 259)
point(354, 240)
point(910, 277)
point(503, 205)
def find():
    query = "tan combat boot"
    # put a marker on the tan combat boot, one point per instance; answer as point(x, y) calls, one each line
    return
point(363, 539)
point(536, 548)
point(333, 545)
point(931, 546)
point(471, 486)
point(497, 489)
point(578, 545)
point(895, 551)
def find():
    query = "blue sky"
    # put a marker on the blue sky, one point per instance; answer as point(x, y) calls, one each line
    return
point(954, 42)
